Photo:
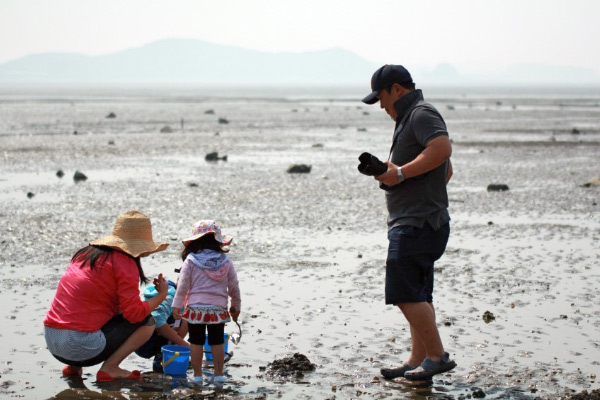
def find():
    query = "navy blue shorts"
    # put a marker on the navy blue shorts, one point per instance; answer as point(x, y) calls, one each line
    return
point(152, 347)
point(409, 266)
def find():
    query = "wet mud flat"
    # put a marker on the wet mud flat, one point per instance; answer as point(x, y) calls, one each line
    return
point(516, 292)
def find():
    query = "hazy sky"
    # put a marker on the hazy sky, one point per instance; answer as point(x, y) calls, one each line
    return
point(473, 35)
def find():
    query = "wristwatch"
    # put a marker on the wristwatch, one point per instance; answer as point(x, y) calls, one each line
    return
point(401, 177)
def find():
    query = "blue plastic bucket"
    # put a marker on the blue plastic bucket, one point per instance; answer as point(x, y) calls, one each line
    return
point(208, 350)
point(175, 359)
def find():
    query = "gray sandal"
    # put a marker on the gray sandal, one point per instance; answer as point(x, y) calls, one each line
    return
point(391, 373)
point(429, 368)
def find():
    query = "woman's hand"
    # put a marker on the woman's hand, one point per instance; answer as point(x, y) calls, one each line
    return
point(162, 289)
point(161, 285)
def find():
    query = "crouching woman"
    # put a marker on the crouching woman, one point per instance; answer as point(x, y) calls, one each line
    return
point(97, 315)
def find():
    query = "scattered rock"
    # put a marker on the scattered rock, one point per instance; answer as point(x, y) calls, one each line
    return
point(192, 184)
point(223, 121)
point(6, 384)
point(478, 394)
point(291, 367)
point(30, 195)
point(362, 129)
point(60, 173)
point(214, 156)
point(575, 131)
point(488, 317)
point(111, 115)
point(79, 176)
point(111, 142)
point(318, 145)
point(450, 107)
point(166, 129)
point(299, 169)
point(497, 187)
point(74, 132)
point(209, 112)
point(595, 181)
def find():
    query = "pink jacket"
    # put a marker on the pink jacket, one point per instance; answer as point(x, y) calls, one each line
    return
point(208, 277)
point(86, 299)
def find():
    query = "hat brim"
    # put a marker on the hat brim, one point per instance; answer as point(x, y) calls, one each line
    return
point(135, 248)
point(371, 98)
point(225, 239)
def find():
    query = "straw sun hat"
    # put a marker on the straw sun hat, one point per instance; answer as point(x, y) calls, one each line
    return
point(132, 234)
point(204, 227)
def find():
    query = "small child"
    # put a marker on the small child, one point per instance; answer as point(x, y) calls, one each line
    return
point(207, 278)
point(167, 330)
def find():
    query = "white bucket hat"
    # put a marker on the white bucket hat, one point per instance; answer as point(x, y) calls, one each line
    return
point(204, 227)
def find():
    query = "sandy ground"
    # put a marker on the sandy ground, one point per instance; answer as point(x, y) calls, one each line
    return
point(310, 249)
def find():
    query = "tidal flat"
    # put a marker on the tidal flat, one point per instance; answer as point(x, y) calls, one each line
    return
point(517, 290)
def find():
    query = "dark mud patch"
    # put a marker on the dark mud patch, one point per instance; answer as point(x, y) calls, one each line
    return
point(585, 395)
point(290, 367)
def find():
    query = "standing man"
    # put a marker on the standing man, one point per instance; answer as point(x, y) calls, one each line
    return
point(418, 219)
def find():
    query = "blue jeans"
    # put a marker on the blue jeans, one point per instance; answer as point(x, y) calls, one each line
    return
point(412, 252)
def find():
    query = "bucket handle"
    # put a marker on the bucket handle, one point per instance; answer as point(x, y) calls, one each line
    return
point(170, 360)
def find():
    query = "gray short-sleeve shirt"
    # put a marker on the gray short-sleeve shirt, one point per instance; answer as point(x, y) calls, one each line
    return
point(422, 198)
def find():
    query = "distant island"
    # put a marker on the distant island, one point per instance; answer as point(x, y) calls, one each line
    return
point(197, 61)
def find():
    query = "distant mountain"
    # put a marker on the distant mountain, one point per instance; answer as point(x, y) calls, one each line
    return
point(189, 60)
point(196, 61)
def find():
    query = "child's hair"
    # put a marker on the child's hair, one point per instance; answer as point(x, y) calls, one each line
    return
point(207, 241)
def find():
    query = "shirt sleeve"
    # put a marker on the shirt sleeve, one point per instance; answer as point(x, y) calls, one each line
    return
point(163, 311)
point(234, 289)
point(428, 124)
point(127, 278)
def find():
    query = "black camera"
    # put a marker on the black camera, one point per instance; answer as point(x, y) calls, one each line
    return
point(371, 165)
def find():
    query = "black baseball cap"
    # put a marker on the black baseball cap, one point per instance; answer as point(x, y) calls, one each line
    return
point(384, 77)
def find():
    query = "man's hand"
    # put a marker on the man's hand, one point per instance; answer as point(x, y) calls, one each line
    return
point(436, 153)
point(389, 177)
